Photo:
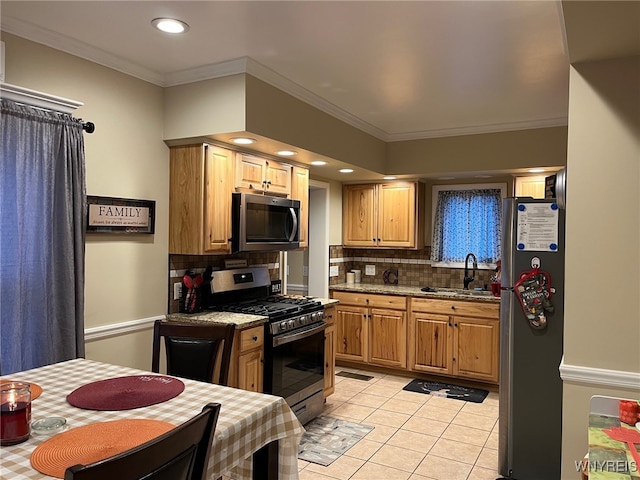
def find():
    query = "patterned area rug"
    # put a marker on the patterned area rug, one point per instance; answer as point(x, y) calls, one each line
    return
point(327, 438)
point(476, 395)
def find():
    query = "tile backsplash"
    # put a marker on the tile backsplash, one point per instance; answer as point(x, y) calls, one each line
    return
point(179, 264)
point(413, 266)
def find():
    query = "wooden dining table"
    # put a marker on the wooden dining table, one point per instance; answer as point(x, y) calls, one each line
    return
point(249, 425)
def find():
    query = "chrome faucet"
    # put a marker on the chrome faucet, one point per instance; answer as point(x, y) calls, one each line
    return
point(468, 279)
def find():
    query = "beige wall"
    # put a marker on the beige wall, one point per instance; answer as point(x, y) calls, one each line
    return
point(203, 108)
point(602, 302)
point(335, 213)
point(538, 147)
point(277, 115)
point(126, 276)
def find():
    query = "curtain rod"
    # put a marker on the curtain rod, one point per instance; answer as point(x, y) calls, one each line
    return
point(42, 100)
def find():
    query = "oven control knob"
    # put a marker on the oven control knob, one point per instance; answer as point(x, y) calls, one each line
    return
point(291, 323)
point(283, 326)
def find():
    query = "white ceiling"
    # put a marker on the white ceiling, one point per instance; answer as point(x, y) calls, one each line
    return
point(397, 70)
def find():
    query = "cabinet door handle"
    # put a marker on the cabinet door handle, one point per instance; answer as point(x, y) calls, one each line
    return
point(254, 338)
point(450, 324)
point(453, 307)
point(378, 239)
point(455, 324)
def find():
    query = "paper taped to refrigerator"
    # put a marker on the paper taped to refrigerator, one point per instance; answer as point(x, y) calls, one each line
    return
point(537, 228)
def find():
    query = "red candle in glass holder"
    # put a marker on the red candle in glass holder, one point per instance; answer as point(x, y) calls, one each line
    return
point(15, 413)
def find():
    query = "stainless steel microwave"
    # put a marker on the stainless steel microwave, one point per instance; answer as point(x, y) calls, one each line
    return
point(264, 223)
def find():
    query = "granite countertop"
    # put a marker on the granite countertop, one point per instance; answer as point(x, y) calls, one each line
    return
point(327, 302)
point(440, 293)
point(241, 320)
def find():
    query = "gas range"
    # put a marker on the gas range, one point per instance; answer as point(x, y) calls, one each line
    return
point(247, 291)
point(285, 312)
point(294, 335)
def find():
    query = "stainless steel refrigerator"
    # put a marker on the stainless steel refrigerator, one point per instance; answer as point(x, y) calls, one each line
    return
point(531, 332)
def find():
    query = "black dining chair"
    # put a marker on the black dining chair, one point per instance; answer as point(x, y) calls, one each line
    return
point(192, 350)
point(180, 454)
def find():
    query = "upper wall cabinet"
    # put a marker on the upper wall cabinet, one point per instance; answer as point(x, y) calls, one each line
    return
point(200, 187)
point(262, 175)
point(300, 191)
point(387, 215)
point(530, 186)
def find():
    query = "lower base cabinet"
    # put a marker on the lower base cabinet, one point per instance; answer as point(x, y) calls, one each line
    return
point(456, 338)
point(371, 329)
point(247, 359)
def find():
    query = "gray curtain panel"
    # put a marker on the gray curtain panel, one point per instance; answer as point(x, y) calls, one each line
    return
point(42, 233)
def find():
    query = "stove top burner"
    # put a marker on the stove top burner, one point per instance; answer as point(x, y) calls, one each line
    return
point(276, 307)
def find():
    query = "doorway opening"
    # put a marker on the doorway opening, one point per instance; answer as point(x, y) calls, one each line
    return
point(308, 270)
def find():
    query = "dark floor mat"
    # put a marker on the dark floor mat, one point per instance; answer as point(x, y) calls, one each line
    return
point(448, 390)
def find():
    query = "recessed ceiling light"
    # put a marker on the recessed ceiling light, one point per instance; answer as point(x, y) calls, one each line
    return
point(346, 170)
point(286, 153)
point(389, 177)
point(536, 170)
point(445, 178)
point(483, 176)
point(243, 141)
point(318, 163)
point(170, 25)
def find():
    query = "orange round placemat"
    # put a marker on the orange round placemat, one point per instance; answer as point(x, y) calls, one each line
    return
point(36, 390)
point(94, 442)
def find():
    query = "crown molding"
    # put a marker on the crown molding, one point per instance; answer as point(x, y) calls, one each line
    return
point(276, 80)
point(246, 65)
point(79, 49)
point(206, 72)
point(478, 129)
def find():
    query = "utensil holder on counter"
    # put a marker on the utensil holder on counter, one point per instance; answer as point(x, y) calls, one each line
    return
point(191, 299)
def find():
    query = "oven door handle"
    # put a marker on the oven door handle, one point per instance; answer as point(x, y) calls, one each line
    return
point(292, 337)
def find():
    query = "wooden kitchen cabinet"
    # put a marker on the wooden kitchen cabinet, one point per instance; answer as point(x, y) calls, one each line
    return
point(300, 191)
point(200, 187)
point(386, 215)
point(371, 328)
point(456, 338)
point(247, 359)
point(329, 351)
point(262, 175)
point(351, 333)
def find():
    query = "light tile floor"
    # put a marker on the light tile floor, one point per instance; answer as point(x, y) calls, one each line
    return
point(416, 436)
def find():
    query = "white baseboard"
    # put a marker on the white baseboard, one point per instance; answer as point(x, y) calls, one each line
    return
point(116, 329)
point(600, 376)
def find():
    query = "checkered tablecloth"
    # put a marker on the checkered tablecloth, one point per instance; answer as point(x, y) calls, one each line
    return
point(247, 420)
